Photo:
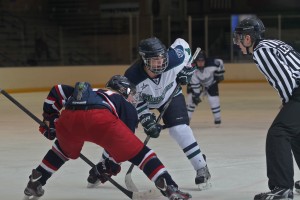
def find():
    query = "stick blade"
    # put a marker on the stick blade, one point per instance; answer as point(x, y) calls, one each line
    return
point(30, 197)
point(130, 184)
point(153, 193)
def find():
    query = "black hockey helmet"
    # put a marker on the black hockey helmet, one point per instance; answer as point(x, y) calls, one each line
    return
point(252, 26)
point(122, 85)
point(153, 48)
point(201, 56)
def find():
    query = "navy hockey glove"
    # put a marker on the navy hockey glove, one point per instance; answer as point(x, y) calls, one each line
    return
point(107, 167)
point(49, 119)
point(218, 79)
point(196, 99)
point(151, 128)
point(185, 75)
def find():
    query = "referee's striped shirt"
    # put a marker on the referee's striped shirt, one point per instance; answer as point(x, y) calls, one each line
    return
point(280, 64)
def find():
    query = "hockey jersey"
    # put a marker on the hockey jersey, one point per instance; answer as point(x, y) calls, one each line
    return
point(208, 75)
point(155, 92)
point(59, 95)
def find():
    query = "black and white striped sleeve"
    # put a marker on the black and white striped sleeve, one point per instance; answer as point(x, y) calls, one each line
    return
point(270, 62)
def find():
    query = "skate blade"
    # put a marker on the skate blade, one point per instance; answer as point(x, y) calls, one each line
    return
point(91, 185)
point(204, 186)
point(217, 125)
point(30, 197)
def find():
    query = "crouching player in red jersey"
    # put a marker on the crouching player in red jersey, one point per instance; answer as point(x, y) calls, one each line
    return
point(95, 116)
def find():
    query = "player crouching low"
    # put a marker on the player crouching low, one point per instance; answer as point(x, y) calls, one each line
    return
point(96, 121)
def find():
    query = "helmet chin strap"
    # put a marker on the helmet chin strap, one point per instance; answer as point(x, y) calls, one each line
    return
point(248, 52)
point(248, 48)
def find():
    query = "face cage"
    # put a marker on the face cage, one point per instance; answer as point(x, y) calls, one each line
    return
point(237, 38)
point(156, 69)
point(133, 97)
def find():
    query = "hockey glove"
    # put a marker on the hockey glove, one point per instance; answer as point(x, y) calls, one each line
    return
point(185, 75)
point(218, 79)
point(49, 120)
point(151, 128)
point(189, 89)
point(107, 167)
point(196, 99)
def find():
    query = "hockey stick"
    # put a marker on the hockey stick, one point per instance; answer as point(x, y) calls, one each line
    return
point(132, 195)
point(128, 180)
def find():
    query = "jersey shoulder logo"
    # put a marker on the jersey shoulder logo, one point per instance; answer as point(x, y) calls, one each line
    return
point(179, 52)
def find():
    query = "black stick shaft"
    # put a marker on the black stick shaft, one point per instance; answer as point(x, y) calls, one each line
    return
point(117, 185)
point(30, 114)
point(166, 106)
point(158, 120)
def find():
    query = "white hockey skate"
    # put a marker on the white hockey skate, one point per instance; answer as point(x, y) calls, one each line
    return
point(203, 178)
point(34, 189)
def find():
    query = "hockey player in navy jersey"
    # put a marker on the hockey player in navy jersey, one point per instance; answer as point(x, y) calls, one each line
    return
point(103, 117)
point(205, 81)
point(155, 76)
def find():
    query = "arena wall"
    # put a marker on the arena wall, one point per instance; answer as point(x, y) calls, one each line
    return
point(29, 79)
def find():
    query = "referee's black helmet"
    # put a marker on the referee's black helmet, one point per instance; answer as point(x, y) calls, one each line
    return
point(252, 26)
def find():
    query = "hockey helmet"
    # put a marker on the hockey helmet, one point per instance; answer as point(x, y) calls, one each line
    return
point(122, 85)
point(154, 54)
point(201, 56)
point(250, 26)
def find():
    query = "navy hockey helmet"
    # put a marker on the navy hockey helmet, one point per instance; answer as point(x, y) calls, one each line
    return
point(201, 56)
point(154, 54)
point(250, 26)
point(122, 85)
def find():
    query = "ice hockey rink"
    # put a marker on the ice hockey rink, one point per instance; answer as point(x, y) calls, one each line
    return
point(235, 151)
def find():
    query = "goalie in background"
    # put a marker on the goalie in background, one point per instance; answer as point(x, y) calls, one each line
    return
point(205, 81)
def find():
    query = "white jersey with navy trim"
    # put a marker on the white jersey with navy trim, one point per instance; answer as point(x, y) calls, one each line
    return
point(206, 75)
point(153, 93)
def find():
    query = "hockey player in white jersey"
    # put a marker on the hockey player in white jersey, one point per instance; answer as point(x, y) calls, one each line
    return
point(156, 75)
point(204, 82)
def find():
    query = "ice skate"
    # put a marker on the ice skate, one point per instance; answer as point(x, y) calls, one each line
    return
point(297, 186)
point(93, 181)
point(170, 191)
point(218, 122)
point(34, 189)
point(276, 194)
point(96, 174)
point(203, 178)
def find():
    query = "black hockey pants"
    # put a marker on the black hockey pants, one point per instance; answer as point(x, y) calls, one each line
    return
point(283, 138)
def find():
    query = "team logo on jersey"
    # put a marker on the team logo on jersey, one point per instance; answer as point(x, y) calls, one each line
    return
point(179, 52)
point(156, 100)
point(144, 86)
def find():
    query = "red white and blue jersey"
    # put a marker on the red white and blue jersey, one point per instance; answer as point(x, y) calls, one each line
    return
point(59, 95)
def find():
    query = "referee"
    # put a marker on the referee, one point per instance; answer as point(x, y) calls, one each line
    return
point(280, 64)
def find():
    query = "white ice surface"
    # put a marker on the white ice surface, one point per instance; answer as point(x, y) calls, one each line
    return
point(235, 151)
